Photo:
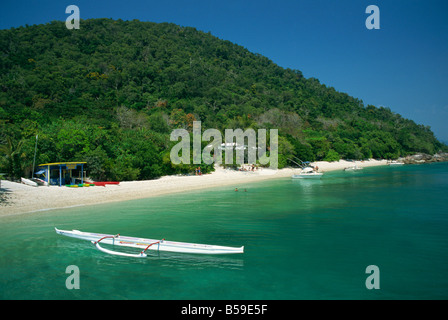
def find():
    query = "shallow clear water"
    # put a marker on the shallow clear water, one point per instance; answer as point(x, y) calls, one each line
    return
point(303, 240)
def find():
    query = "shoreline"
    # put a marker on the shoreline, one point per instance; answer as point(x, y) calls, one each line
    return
point(22, 199)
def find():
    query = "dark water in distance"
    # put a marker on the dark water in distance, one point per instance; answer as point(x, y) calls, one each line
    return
point(303, 240)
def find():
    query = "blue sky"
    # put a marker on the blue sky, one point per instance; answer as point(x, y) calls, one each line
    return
point(403, 66)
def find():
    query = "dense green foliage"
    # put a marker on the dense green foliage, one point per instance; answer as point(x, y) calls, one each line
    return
point(111, 92)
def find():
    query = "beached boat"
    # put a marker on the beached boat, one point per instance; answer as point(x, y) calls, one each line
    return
point(353, 168)
point(104, 183)
point(28, 182)
point(395, 163)
point(307, 173)
point(146, 244)
point(40, 182)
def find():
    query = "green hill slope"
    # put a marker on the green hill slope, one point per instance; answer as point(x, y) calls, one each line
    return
point(111, 92)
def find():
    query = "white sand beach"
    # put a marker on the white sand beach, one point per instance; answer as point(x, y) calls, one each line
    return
point(19, 198)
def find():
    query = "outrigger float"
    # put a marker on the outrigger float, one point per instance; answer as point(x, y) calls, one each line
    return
point(146, 244)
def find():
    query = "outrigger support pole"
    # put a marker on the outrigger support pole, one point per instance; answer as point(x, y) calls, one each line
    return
point(157, 242)
point(106, 237)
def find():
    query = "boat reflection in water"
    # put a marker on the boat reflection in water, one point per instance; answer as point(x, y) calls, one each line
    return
point(172, 260)
point(198, 261)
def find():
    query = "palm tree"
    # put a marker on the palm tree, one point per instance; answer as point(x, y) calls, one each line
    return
point(11, 150)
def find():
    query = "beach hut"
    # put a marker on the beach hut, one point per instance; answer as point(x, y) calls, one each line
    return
point(61, 173)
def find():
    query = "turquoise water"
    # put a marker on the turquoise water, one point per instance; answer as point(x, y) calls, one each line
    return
point(303, 240)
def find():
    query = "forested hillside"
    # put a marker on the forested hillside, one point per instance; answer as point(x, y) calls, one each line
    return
point(111, 92)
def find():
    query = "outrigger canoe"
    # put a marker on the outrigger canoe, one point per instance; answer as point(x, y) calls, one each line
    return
point(147, 244)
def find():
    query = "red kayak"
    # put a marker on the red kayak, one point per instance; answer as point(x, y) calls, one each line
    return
point(103, 183)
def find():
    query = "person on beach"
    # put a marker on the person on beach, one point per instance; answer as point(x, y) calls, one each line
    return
point(236, 189)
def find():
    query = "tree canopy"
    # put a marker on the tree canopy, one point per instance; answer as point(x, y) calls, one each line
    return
point(111, 92)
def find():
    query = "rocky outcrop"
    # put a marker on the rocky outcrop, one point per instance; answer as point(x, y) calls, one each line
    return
point(424, 158)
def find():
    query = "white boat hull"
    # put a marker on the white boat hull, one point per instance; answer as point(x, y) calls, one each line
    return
point(158, 245)
point(308, 173)
point(28, 182)
point(353, 169)
point(40, 182)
